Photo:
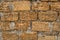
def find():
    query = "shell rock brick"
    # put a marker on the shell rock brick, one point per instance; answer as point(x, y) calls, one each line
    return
point(29, 19)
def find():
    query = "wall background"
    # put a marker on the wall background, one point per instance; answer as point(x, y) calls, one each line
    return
point(29, 20)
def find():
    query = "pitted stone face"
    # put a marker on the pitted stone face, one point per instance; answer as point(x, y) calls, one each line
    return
point(12, 25)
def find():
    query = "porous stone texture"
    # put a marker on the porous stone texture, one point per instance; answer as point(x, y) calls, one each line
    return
point(29, 19)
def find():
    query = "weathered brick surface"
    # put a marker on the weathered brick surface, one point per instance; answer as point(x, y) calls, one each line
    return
point(6, 26)
point(55, 6)
point(48, 16)
point(9, 36)
point(9, 16)
point(22, 25)
point(29, 36)
point(47, 37)
point(22, 5)
point(16, 6)
point(56, 26)
point(40, 6)
point(28, 15)
point(40, 26)
point(29, 20)
point(59, 16)
point(49, 0)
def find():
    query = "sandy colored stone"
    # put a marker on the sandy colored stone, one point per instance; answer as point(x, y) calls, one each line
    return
point(47, 37)
point(40, 26)
point(1, 6)
point(10, 0)
point(56, 26)
point(22, 25)
point(48, 16)
point(9, 16)
point(43, 6)
point(40, 6)
point(9, 36)
point(28, 36)
point(59, 16)
point(44, 0)
point(53, 0)
point(34, 6)
point(49, 0)
point(5, 6)
point(55, 6)
point(27, 15)
point(6, 26)
point(21, 5)
point(16, 6)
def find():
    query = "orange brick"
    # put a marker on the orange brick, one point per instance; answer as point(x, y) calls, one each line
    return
point(53, 0)
point(9, 36)
point(47, 37)
point(59, 16)
point(16, 6)
point(28, 15)
point(40, 26)
point(34, 6)
point(44, 0)
point(48, 16)
point(29, 36)
point(21, 5)
point(10, 0)
point(22, 25)
point(6, 26)
point(56, 26)
point(5, 6)
point(1, 6)
point(49, 0)
point(40, 6)
point(55, 6)
point(9, 16)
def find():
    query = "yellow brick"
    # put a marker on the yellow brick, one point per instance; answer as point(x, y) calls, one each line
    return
point(55, 6)
point(40, 6)
point(9, 36)
point(47, 37)
point(9, 16)
point(21, 5)
point(48, 16)
point(27, 15)
point(29, 36)
point(40, 26)
point(22, 25)
point(56, 26)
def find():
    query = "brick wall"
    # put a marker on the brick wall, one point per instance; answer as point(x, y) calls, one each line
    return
point(29, 20)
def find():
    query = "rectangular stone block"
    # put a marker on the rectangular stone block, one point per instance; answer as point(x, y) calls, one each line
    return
point(59, 16)
point(9, 36)
point(48, 16)
point(21, 5)
point(6, 26)
point(40, 6)
point(13, 16)
point(56, 26)
point(47, 37)
point(5, 6)
point(49, 0)
point(40, 26)
point(1, 6)
point(28, 36)
point(28, 15)
point(16, 6)
point(55, 6)
point(22, 25)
